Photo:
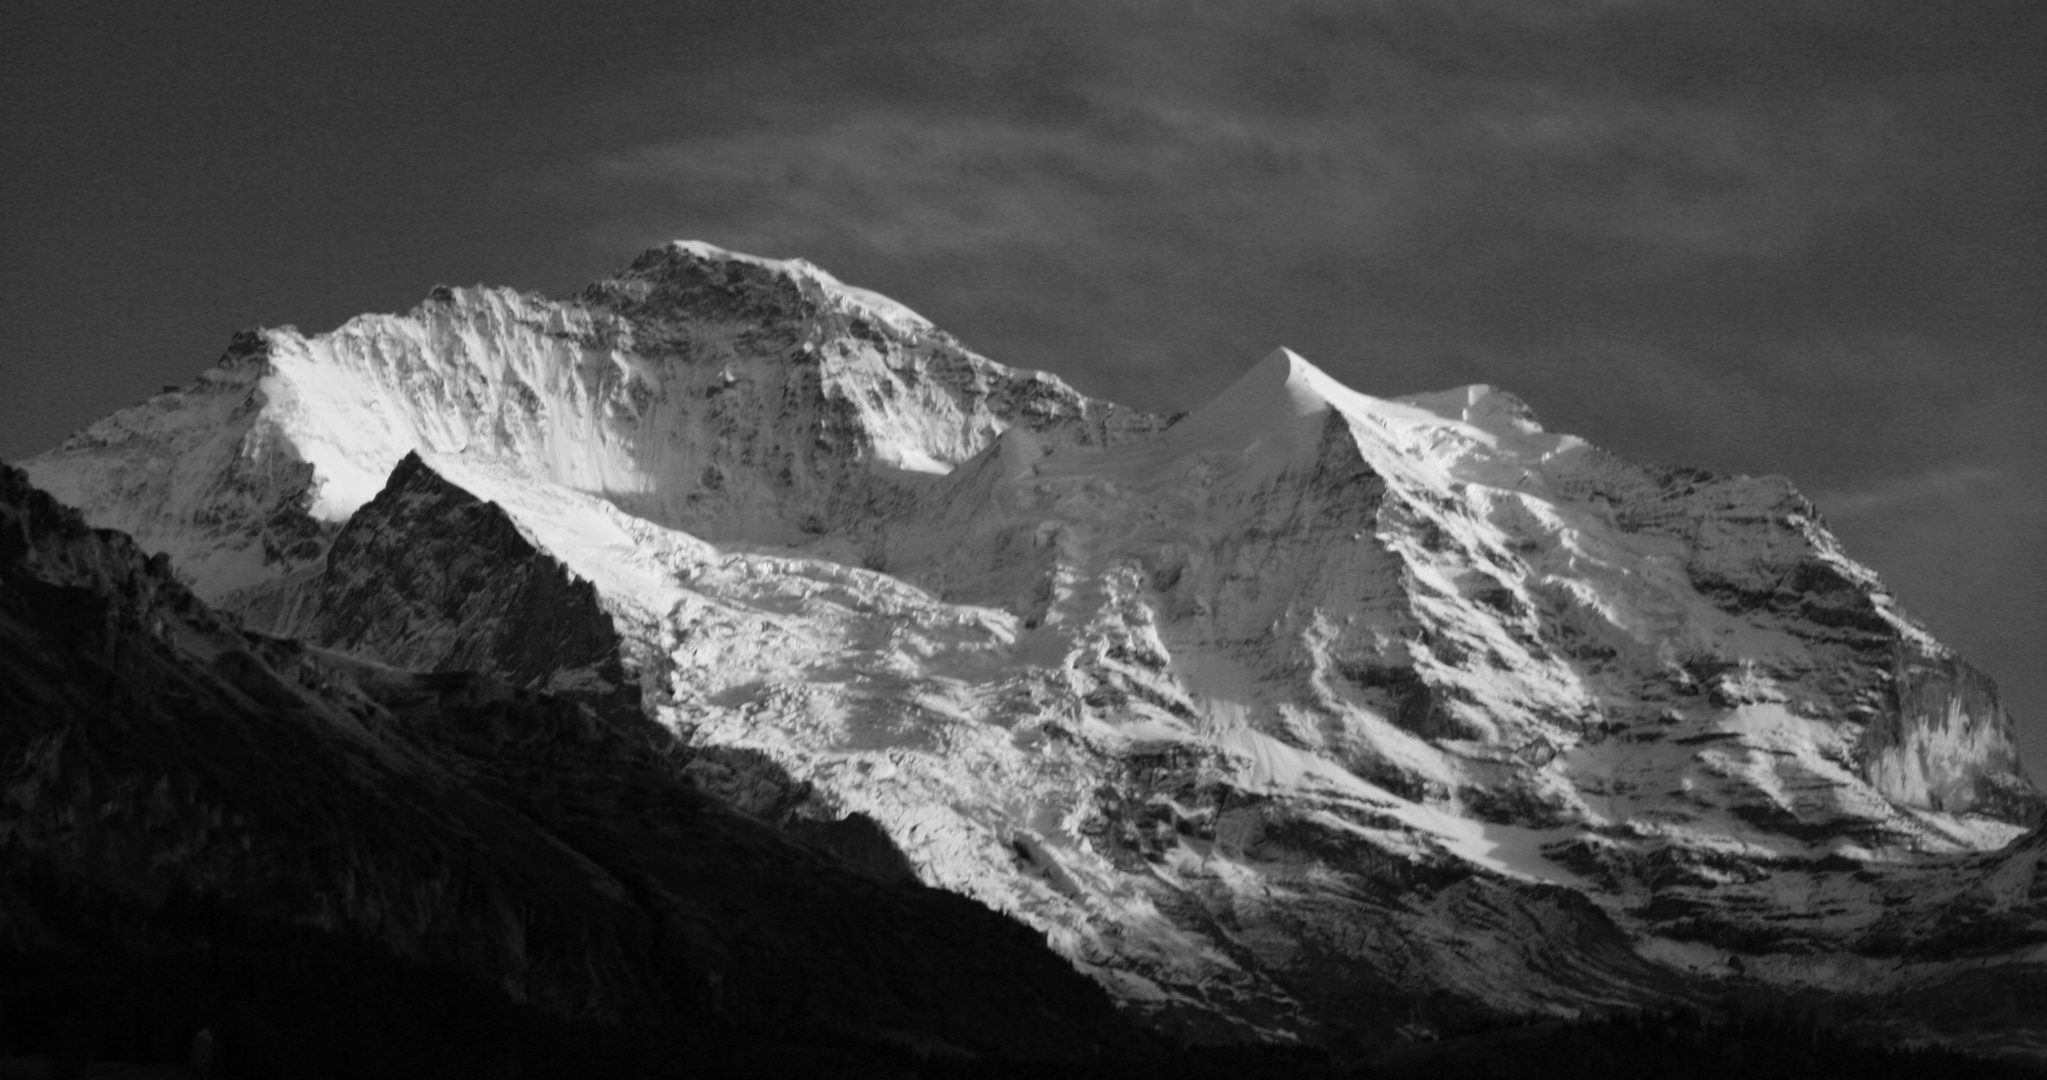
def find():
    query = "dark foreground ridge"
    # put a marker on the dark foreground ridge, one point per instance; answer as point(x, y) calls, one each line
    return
point(347, 869)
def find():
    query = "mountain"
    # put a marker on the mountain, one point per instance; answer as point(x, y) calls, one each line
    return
point(1308, 716)
point(207, 825)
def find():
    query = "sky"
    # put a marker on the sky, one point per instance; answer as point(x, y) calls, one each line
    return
point(1754, 236)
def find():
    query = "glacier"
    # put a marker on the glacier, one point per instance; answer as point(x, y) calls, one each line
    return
point(1309, 716)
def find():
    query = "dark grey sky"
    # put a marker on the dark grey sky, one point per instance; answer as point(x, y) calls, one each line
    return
point(1751, 235)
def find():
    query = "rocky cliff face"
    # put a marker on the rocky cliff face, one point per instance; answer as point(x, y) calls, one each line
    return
point(427, 577)
point(1944, 742)
point(1313, 715)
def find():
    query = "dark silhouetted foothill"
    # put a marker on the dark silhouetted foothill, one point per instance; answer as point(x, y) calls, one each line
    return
point(341, 869)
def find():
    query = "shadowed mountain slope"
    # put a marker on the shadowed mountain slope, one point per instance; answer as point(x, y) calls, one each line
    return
point(179, 791)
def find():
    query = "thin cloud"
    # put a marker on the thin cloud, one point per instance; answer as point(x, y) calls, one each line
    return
point(1230, 122)
point(1794, 237)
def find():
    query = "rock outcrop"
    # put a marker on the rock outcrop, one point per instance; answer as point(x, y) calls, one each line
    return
point(428, 577)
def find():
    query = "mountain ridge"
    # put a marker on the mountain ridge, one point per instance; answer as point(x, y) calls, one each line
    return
point(1305, 699)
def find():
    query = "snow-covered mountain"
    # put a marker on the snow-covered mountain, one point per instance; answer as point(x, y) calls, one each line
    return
point(1310, 715)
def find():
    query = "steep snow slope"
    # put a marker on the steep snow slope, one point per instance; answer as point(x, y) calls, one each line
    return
point(1312, 715)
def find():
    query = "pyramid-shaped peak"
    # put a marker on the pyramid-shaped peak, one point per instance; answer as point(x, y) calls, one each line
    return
point(1274, 411)
point(1284, 372)
point(1283, 366)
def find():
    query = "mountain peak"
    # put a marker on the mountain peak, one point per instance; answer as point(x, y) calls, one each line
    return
point(1284, 366)
point(1110, 677)
point(691, 261)
point(1272, 414)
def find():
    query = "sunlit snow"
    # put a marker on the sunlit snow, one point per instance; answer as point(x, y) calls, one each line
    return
point(1090, 669)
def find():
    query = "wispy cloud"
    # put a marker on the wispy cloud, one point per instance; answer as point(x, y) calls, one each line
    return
point(1384, 143)
point(1797, 236)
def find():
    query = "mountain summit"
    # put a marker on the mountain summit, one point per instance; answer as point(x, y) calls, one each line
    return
point(1310, 716)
